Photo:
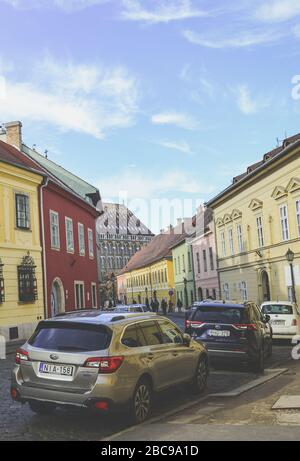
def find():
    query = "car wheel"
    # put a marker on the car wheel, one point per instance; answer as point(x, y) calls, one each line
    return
point(42, 408)
point(141, 402)
point(200, 379)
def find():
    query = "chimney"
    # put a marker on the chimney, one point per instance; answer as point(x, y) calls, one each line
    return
point(14, 134)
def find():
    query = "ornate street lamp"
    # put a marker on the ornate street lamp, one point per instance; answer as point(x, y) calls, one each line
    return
point(290, 256)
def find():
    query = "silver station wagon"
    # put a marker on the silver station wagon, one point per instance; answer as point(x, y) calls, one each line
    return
point(102, 360)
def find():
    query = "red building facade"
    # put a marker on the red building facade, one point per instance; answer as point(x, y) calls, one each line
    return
point(70, 251)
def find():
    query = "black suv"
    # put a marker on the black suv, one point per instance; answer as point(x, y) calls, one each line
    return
point(234, 331)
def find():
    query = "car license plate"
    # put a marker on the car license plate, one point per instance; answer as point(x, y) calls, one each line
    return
point(278, 322)
point(219, 333)
point(59, 370)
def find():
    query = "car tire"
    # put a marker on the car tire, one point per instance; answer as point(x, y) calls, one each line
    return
point(199, 382)
point(42, 408)
point(258, 366)
point(141, 403)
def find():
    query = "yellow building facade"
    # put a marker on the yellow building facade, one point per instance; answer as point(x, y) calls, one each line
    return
point(257, 221)
point(152, 281)
point(21, 277)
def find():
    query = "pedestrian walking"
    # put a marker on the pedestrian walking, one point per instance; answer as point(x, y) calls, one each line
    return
point(179, 305)
point(164, 306)
point(170, 306)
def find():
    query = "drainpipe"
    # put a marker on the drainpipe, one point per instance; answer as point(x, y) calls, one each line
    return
point(46, 182)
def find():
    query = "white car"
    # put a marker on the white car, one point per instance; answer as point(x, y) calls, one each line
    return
point(285, 318)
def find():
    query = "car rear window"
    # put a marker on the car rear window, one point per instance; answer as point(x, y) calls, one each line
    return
point(71, 337)
point(221, 315)
point(277, 309)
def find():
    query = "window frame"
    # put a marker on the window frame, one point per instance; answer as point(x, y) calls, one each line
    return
point(70, 221)
point(27, 211)
point(82, 248)
point(56, 214)
point(284, 219)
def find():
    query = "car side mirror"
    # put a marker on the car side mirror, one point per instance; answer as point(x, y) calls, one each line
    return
point(267, 318)
point(187, 340)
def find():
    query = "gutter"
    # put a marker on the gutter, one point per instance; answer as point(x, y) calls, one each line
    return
point(46, 182)
point(285, 151)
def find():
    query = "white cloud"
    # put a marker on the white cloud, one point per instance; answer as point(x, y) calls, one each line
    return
point(148, 185)
point(180, 146)
point(67, 5)
point(278, 10)
point(88, 99)
point(247, 104)
point(242, 40)
point(178, 119)
point(164, 11)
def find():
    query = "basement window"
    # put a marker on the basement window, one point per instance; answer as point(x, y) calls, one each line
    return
point(27, 280)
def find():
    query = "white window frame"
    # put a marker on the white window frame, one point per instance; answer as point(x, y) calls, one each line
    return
point(81, 239)
point(94, 298)
point(69, 232)
point(260, 231)
point(79, 283)
point(91, 243)
point(239, 231)
point(226, 291)
point(244, 291)
point(231, 241)
point(223, 243)
point(284, 222)
point(54, 245)
point(298, 215)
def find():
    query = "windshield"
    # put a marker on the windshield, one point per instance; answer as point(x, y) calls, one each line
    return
point(277, 309)
point(220, 315)
point(68, 338)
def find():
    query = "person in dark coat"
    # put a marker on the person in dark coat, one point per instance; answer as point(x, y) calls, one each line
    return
point(179, 305)
point(170, 306)
point(164, 306)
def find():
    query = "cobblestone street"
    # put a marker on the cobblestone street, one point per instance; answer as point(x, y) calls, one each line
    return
point(17, 422)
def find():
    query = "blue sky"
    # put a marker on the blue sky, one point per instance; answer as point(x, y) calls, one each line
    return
point(163, 99)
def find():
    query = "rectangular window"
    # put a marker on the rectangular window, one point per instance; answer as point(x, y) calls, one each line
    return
point(183, 263)
point(69, 235)
point(94, 295)
point(298, 215)
point(231, 244)
point(240, 238)
point(223, 244)
point(260, 231)
point(91, 243)
point(81, 239)
point(79, 295)
point(284, 222)
point(211, 258)
point(205, 260)
point(198, 263)
point(190, 261)
point(226, 291)
point(22, 211)
point(244, 291)
point(54, 230)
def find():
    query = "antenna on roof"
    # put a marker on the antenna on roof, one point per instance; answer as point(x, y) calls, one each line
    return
point(33, 146)
point(46, 153)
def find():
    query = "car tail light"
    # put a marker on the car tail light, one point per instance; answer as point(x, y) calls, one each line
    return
point(22, 355)
point(195, 324)
point(187, 323)
point(104, 364)
point(14, 393)
point(248, 326)
point(101, 405)
point(295, 323)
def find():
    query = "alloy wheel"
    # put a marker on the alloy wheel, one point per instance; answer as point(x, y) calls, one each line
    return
point(142, 403)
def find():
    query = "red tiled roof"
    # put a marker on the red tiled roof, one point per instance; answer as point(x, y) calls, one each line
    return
point(10, 154)
point(159, 248)
point(269, 155)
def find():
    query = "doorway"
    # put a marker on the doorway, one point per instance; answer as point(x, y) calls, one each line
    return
point(57, 298)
